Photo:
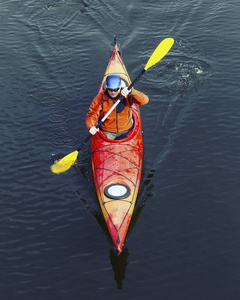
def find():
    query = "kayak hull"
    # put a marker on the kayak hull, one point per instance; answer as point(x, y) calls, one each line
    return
point(117, 165)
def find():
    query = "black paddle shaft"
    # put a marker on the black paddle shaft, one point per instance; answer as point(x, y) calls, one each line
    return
point(136, 79)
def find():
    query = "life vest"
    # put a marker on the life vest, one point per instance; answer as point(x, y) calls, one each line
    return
point(120, 118)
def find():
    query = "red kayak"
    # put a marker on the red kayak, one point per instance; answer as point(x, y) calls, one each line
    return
point(117, 165)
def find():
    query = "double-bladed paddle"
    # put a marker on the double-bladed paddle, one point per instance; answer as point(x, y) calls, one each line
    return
point(69, 160)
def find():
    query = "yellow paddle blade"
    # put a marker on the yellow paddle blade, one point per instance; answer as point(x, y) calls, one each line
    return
point(161, 50)
point(65, 163)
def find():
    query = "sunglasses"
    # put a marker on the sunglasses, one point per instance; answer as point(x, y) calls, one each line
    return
point(113, 90)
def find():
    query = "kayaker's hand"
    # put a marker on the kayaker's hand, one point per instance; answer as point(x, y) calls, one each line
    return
point(93, 130)
point(125, 92)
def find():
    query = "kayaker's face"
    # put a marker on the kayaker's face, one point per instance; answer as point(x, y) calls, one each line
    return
point(113, 93)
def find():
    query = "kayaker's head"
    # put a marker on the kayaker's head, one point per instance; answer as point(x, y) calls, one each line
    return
point(113, 83)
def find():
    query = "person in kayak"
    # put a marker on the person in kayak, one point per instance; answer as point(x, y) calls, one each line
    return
point(120, 121)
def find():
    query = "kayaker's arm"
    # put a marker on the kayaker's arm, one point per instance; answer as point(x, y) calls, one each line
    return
point(93, 112)
point(139, 97)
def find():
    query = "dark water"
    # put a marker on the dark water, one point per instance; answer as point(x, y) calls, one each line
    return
point(184, 240)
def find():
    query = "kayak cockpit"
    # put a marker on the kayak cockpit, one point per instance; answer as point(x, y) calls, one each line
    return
point(130, 134)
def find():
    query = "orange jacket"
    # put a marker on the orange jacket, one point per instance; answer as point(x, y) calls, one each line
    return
point(120, 118)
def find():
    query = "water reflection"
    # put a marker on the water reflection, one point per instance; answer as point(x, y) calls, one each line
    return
point(119, 265)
